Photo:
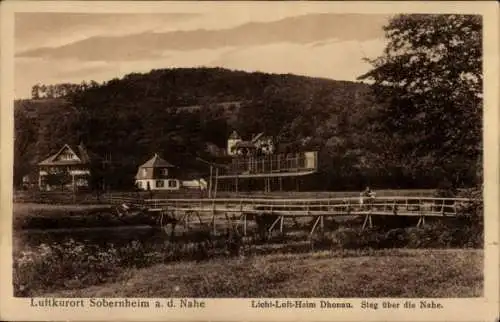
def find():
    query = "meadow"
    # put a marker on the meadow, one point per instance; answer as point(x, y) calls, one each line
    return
point(382, 273)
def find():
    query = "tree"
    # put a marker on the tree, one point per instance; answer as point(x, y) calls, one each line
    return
point(25, 133)
point(35, 94)
point(428, 84)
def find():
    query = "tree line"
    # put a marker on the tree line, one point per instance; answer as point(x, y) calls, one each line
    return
point(39, 91)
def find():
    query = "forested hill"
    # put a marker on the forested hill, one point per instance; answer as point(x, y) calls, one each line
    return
point(185, 113)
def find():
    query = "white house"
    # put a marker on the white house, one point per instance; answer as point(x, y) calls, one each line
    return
point(157, 174)
point(69, 168)
point(259, 143)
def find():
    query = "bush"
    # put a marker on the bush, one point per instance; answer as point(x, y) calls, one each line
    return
point(459, 233)
point(63, 265)
point(71, 264)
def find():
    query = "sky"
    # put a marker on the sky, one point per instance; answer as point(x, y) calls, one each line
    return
point(53, 48)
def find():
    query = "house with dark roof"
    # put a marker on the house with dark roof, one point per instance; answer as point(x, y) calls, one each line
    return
point(69, 168)
point(258, 144)
point(157, 174)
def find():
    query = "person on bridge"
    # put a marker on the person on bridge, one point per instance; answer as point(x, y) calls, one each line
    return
point(368, 194)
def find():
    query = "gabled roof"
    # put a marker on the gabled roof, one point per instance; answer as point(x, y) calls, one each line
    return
point(156, 162)
point(235, 136)
point(80, 151)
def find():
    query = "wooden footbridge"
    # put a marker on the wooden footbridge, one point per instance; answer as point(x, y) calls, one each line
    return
point(238, 211)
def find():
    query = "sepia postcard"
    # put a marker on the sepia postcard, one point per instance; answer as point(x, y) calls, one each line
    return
point(249, 161)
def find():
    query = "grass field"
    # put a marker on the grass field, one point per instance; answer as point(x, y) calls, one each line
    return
point(382, 273)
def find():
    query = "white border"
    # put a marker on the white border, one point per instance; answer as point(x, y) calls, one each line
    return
point(480, 309)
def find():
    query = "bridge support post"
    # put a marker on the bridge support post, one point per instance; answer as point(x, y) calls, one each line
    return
point(281, 224)
point(368, 221)
point(244, 225)
point(421, 221)
point(229, 222)
point(274, 223)
point(162, 213)
point(214, 230)
point(213, 218)
point(314, 226)
point(186, 220)
point(199, 218)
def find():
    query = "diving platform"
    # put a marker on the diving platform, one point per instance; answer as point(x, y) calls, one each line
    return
point(271, 166)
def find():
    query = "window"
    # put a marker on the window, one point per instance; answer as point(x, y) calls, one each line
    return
point(67, 155)
point(164, 172)
point(82, 182)
point(144, 172)
point(172, 183)
point(139, 184)
point(160, 184)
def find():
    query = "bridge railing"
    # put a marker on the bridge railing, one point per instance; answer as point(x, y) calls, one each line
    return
point(335, 206)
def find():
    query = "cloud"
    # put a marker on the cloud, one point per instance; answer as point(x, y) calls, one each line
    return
point(49, 29)
point(104, 46)
point(296, 30)
point(341, 60)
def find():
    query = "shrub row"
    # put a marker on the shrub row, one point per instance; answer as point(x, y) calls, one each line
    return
point(435, 235)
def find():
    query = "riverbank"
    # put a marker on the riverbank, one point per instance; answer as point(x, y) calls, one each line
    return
point(49, 216)
point(381, 273)
point(46, 263)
